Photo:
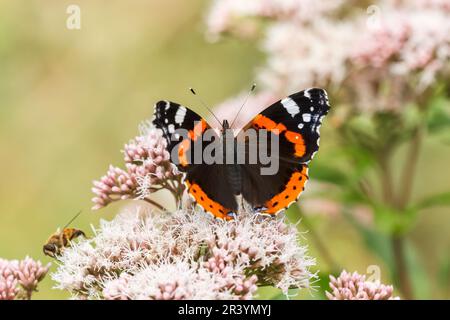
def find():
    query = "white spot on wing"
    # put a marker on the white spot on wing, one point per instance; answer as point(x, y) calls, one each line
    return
point(290, 106)
point(306, 117)
point(179, 116)
point(307, 94)
point(171, 128)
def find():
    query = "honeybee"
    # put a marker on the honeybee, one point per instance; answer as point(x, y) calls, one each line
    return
point(61, 239)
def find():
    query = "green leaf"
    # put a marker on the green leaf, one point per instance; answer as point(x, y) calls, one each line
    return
point(444, 273)
point(392, 221)
point(328, 174)
point(279, 296)
point(323, 282)
point(268, 292)
point(442, 199)
point(438, 117)
point(412, 116)
point(420, 279)
point(361, 160)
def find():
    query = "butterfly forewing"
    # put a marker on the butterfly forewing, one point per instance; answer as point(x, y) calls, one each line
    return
point(295, 121)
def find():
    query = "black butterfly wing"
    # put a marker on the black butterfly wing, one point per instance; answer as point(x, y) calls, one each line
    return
point(208, 185)
point(295, 121)
point(184, 131)
point(170, 117)
point(297, 118)
point(272, 193)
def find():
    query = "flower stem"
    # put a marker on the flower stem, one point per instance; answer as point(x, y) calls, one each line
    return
point(156, 204)
point(386, 178)
point(400, 203)
point(409, 168)
point(397, 241)
point(398, 247)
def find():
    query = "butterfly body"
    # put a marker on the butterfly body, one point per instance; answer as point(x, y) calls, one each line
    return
point(288, 131)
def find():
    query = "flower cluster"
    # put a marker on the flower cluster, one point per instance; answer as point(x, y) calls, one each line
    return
point(229, 16)
point(184, 255)
point(19, 279)
point(147, 169)
point(355, 287)
point(314, 43)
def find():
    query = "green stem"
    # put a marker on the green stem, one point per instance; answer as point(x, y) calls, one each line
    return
point(400, 203)
point(398, 248)
point(386, 178)
point(409, 169)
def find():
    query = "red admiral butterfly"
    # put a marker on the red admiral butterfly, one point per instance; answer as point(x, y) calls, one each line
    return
point(294, 121)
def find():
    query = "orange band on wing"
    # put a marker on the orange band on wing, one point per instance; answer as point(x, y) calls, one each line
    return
point(182, 149)
point(206, 202)
point(298, 141)
point(198, 130)
point(263, 122)
point(290, 193)
point(193, 135)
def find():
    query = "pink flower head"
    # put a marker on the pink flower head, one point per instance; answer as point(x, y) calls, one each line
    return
point(19, 279)
point(355, 287)
point(147, 169)
point(8, 282)
point(30, 273)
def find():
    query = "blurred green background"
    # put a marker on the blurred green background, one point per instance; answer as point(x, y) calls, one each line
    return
point(70, 99)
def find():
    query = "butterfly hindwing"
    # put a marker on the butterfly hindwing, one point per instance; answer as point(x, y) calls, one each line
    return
point(208, 185)
point(272, 193)
point(285, 187)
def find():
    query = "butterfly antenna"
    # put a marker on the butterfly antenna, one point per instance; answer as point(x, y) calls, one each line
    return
point(243, 104)
point(205, 106)
point(71, 220)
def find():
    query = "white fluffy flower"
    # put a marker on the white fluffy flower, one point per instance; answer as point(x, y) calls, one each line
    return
point(184, 255)
point(296, 54)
